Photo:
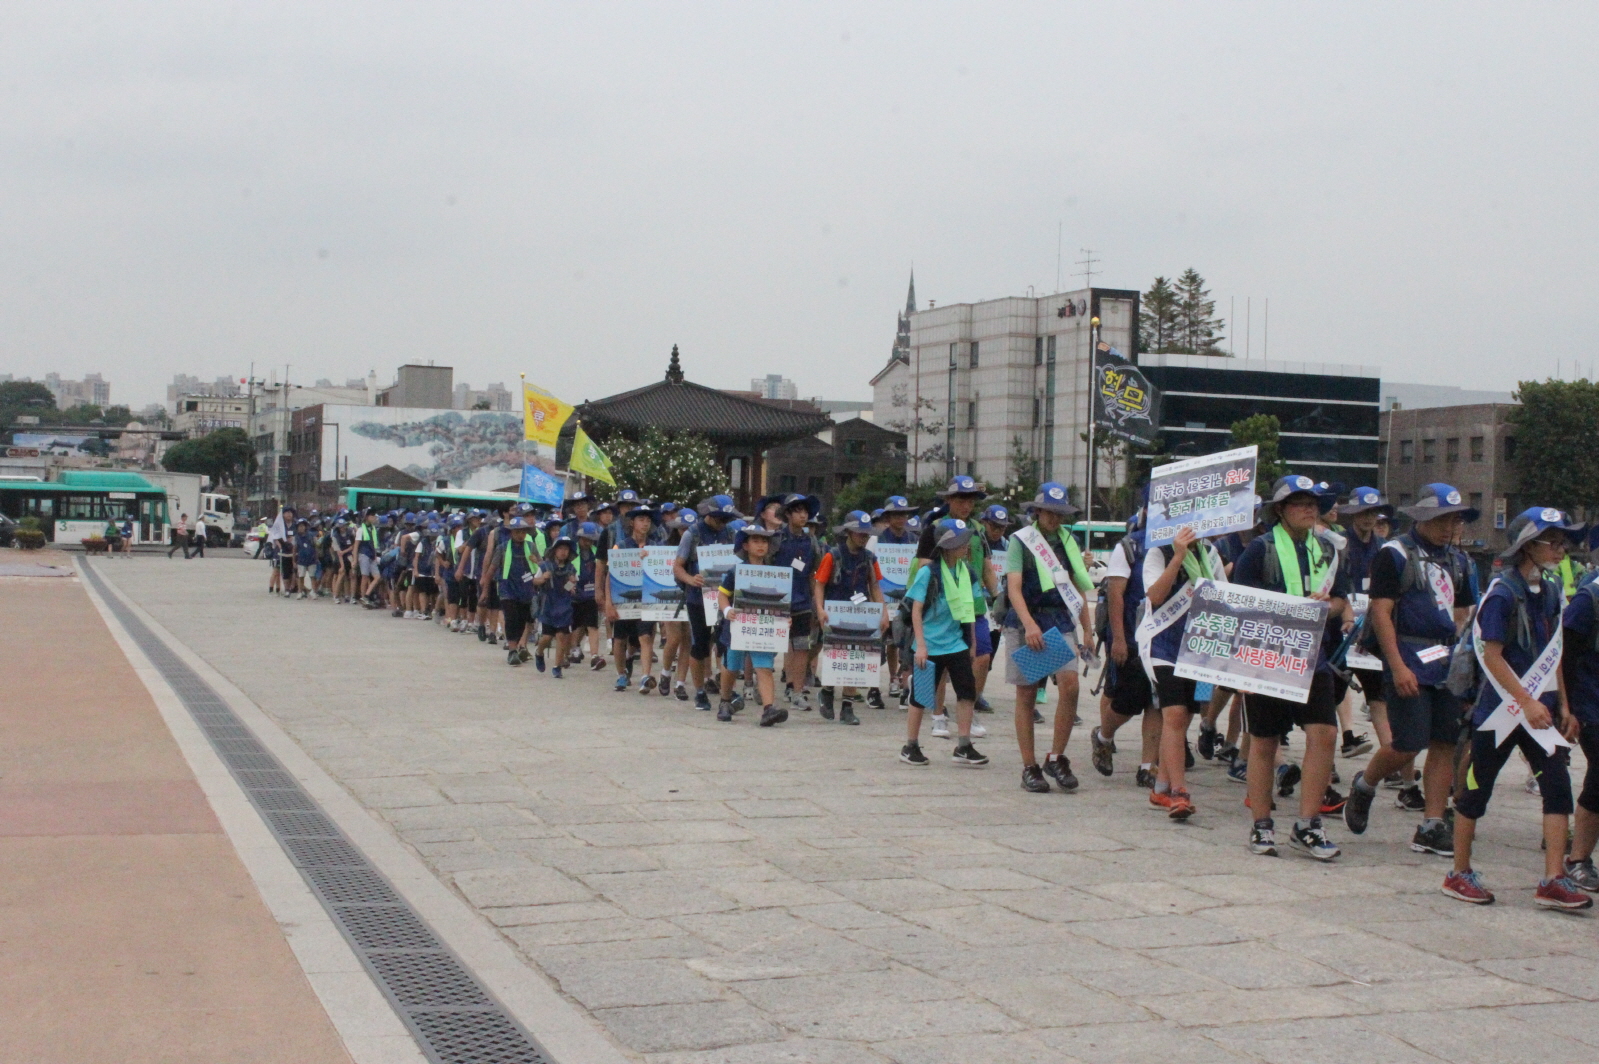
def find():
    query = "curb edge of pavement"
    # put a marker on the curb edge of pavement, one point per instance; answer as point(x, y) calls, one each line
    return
point(560, 1027)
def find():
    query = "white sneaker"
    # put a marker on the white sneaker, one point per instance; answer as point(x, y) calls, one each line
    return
point(978, 731)
point(941, 727)
point(410, 615)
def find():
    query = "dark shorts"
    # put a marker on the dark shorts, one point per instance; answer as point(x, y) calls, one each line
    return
point(585, 614)
point(1128, 686)
point(1588, 739)
point(1173, 690)
point(489, 599)
point(1433, 716)
point(286, 566)
point(632, 630)
point(1370, 683)
point(554, 629)
point(425, 585)
point(452, 592)
point(1271, 718)
point(1552, 772)
point(700, 634)
point(799, 631)
point(958, 667)
point(469, 589)
point(518, 617)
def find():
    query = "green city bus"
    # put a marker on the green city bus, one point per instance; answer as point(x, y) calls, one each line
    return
point(84, 501)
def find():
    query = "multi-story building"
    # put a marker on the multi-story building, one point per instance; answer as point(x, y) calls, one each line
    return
point(93, 388)
point(774, 386)
point(271, 424)
point(494, 397)
point(970, 383)
point(1327, 413)
point(197, 415)
point(423, 387)
point(184, 387)
point(1472, 448)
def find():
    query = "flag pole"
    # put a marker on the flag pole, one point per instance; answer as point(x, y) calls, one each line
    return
point(1093, 387)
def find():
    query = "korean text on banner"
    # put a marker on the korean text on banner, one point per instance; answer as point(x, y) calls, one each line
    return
point(542, 414)
point(625, 572)
point(763, 597)
point(715, 560)
point(894, 562)
point(1257, 641)
point(1213, 494)
point(589, 459)
point(538, 486)
point(852, 646)
point(1127, 405)
point(662, 599)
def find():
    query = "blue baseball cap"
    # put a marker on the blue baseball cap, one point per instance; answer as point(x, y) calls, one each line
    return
point(721, 505)
point(588, 530)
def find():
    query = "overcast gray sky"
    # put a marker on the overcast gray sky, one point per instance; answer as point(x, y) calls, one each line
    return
point(567, 190)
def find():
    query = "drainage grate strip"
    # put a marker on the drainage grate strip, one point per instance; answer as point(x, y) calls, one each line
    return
point(453, 1017)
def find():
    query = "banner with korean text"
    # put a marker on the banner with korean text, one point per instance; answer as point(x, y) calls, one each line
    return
point(1257, 641)
point(1213, 494)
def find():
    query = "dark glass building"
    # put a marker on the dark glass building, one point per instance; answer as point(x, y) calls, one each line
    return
point(1328, 412)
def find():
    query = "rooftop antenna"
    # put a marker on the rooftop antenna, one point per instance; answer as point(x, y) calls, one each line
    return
point(1087, 262)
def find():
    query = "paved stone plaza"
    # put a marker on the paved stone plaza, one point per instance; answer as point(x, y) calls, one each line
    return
point(725, 893)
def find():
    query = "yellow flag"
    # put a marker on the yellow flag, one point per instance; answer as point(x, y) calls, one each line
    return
point(589, 459)
point(542, 414)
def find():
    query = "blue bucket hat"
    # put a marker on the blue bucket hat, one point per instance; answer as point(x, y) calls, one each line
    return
point(721, 506)
point(752, 530)
point(628, 495)
point(1531, 523)
point(1439, 500)
point(856, 521)
point(951, 533)
point(896, 504)
point(997, 515)
point(1294, 484)
point(1053, 498)
point(963, 486)
point(516, 524)
point(913, 523)
point(1364, 500)
point(588, 530)
point(812, 504)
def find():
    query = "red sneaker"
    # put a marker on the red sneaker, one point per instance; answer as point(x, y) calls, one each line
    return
point(1160, 799)
point(1467, 886)
point(1561, 893)
point(1180, 806)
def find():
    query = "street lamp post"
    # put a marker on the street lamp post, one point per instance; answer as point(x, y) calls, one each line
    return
point(1093, 386)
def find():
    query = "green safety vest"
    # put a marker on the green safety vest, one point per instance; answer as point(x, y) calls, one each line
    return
point(527, 554)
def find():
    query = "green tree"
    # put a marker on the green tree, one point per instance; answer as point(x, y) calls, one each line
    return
point(1262, 430)
point(82, 414)
point(1197, 331)
point(1557, 444)
point(679, 466)
point(225, 456)
point(117, 415)
point(25, 397)
point(1158, 317)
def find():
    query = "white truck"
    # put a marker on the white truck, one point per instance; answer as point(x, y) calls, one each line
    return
point(187, 494)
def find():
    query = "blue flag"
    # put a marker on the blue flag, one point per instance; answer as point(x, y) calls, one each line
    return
point(538, 486)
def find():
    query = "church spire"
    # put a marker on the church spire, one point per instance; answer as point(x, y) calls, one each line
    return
point(902, 337)
point(910, 297)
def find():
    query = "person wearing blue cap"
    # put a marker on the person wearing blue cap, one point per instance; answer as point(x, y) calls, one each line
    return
point(798, 549)
point(994, 523)
point(1047, 583)
point(1128, 692)
point(1579, 678)
point(366, 556)
point(514, 569)
point(1517, 639)
point(848, 572)
point(1361, 512)
point(585, 605)
point(468, 570)
point(1294, 559)
point(713, 529)
point(636, 525)
point(944, 604)
point(577, 508)
point(752, 546)
point(557, 580)
point(1420, 597)
point(960, 498)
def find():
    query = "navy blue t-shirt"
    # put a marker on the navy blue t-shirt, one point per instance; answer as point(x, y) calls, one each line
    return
point(1579, 662)
point(1249, 571)
point(1497, 617)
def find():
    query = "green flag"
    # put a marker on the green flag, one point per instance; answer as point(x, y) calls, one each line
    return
point(589, 459)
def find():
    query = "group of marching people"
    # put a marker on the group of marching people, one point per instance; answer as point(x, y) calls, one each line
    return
point(1466, 679)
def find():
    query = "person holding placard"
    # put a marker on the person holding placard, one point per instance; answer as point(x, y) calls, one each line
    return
point(635, 527)
point(752, 546)
point(1046, 587)
point(944, 605)
point(798, 549)
point(896, 532)
point(1522, 704)
point(1420, 597)
point(711, 530)
point(848, 572)
point(1291, 558)
point(1171, 574)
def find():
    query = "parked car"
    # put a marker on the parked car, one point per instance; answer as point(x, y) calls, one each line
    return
point(8, 531)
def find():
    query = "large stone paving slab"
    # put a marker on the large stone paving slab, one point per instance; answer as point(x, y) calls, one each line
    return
point(716, 894)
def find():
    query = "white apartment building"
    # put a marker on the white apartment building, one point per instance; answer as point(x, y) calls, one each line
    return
point(971, 378)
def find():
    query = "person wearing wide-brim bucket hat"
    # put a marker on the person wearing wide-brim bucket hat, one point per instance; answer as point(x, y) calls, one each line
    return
point(1360, 514)
point(848, 572)
point(1439, 500)
point(1515, 631)
point(1293, 557)
point(1046, 587)
point(897, 513)
point(944, 603)
point(960, 498)
point(1420, 588)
